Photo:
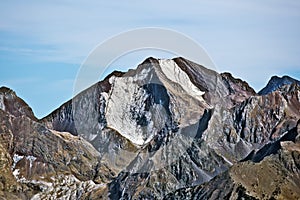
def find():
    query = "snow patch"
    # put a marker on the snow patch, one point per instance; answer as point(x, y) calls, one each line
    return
point(64, 187)
point(2, 106)
point(174, 73)
point(16, 159)
point(91, 137)
point(16, 173)
point(126, 106)
point(31, 160)
point(226, 160)
point(143, 74)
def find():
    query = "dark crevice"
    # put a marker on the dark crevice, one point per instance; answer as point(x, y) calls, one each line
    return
point(203, 123)
point(271, 148)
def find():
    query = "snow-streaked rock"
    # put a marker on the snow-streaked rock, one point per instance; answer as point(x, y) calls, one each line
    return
point(125, 96)
point(128, 101)
point(173, 72)
point(64, 187)
point(2, 106)
point(16, 159)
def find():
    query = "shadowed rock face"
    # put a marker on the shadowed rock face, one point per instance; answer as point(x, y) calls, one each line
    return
point(270, 173)
point(12, 104)
point(277, 82)
point(239, 90)
point(167, 129)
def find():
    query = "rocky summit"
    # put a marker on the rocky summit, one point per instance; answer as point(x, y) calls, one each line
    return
point(169, 129)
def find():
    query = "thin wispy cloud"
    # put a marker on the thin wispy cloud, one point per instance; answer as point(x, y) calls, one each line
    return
point(242, 37)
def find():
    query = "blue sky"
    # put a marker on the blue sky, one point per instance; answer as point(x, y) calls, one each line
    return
point(43, 43)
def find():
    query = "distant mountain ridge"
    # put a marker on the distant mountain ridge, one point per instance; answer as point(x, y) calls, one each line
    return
point(276, 82)
point(169, 129)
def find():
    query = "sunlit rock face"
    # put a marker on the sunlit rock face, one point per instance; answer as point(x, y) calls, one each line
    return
point(143, 102)
point(169, 129)
point(12, 104)
point(35, 159)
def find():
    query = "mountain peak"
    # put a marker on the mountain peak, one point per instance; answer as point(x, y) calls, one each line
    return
point(137, 103)
point(150, 60)
point(243, 85)
point(12, 104)
point(4, 89)
point(277, 82)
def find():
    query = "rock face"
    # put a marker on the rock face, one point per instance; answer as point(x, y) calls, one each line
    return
point(277, 82)
point(37, 162)
point(168, 129)
point(12, 104)
point(270, 173)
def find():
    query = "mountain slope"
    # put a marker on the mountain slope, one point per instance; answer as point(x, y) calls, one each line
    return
point(12, 104)
point(157, 111)
point(168, 129)
point(35, 161)
point(277, 82)
point(275, 176)
point(180, 120)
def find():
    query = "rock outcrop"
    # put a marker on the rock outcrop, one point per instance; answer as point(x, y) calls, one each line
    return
point(270, 173)
point(37, 162)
